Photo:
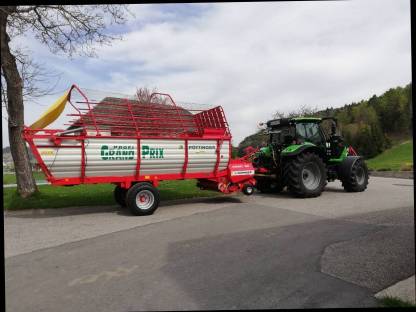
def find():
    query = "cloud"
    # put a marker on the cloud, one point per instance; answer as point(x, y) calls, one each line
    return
point(255, 58)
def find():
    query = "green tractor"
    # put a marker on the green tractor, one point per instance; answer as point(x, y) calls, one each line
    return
point(303, 154)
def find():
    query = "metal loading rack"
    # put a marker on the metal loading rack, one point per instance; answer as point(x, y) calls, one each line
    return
point(129, 141)
point(156, 115)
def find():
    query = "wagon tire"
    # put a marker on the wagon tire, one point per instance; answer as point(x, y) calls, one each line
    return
point(120, 195)
point(142, 199)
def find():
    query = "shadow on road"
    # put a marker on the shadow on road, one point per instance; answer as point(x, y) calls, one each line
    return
point(72, 211)
point(335, 190)
point(287, 194)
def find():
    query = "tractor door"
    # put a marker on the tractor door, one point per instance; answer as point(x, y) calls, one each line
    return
point(334, 142)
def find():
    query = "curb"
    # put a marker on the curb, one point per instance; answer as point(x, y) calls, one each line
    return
point(109, 208)
point(404, 290)
point(392, 174)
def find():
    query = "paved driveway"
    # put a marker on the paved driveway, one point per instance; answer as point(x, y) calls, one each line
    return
point(263, 251)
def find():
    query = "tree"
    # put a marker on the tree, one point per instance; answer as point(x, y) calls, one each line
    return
point(70, 30)
point(408, 92)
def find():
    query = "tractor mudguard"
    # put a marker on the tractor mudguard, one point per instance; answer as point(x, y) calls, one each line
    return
point(344, 169)
point(295, 149)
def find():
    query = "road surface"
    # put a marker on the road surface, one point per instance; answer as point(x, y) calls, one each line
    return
point(238, 252)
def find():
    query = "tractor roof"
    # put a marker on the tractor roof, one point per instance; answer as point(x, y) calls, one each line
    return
point(309, 119)
point(280, 122)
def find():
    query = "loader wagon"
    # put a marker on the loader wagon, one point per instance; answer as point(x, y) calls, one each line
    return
point(135, 142)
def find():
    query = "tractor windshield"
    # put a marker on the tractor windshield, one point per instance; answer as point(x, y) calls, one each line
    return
point(309, 131)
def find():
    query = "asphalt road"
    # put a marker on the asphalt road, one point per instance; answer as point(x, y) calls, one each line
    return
point(263, 251)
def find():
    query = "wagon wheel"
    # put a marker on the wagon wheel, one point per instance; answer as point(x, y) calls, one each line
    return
point(142, 199)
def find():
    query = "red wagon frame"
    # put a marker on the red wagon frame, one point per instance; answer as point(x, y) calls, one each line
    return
point(210, 124)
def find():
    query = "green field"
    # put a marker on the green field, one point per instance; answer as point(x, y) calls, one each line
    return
point(399, 157)
point(94, 195)
point(392, 302)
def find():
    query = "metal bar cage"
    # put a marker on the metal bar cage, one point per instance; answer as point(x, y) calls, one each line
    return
point(154, 115)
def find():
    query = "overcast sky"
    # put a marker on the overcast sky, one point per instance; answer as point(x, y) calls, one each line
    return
point(250, 58)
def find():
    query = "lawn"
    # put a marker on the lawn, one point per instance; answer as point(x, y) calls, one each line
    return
point(94, 195)
point(392, 302)
point(10, 178)
point(399, 157)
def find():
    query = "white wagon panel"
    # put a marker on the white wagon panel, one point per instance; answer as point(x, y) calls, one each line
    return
point(118, 157)
point(110, 157)
point(62, 162)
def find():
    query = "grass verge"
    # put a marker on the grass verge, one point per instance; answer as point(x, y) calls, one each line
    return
point(10, 178)
point(392, 302)
point(399, 157)
point(94, 195)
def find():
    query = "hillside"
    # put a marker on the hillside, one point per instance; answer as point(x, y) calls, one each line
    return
point(399, 157)
point(370, 126)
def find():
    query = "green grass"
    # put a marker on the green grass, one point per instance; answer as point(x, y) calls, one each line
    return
point(399, 157)
point(93, 195)
point(392, 302)
point(10, 178)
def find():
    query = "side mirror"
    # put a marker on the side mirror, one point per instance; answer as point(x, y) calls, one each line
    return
point(261, 126)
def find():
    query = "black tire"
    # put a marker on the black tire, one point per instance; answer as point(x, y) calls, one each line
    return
point(150, 196)
point(357, 180)
point(120, 195)
point(248, 189)
point(305, 175)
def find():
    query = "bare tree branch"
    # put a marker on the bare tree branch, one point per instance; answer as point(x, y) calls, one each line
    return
point(68, 29)
point(71, 29)
point(36, 79)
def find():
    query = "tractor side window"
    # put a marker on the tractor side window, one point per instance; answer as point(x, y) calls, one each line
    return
point(326, 128)
point(281, 136)
point(276, 137)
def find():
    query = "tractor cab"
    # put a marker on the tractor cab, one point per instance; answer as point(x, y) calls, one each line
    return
point(298, 131)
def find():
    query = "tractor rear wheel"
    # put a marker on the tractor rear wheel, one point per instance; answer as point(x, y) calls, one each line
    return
point(305, 175)
point(357, 180)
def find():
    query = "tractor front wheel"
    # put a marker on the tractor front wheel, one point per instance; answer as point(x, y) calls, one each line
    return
point(305, 175)
point(357, 179)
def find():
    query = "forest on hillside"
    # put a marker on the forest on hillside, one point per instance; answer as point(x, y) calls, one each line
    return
point(370, 126)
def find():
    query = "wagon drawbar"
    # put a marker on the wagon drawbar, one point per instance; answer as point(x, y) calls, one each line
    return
point(134, 143)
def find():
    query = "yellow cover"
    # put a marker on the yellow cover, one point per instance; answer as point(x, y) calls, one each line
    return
point(52, 113)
